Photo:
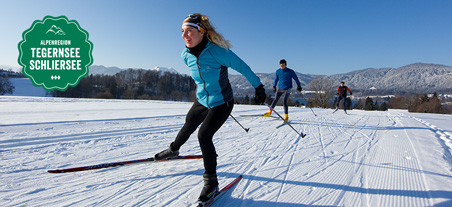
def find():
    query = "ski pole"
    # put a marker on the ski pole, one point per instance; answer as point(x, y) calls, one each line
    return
point(313, 112)
point(246, 129)
point(301, 134)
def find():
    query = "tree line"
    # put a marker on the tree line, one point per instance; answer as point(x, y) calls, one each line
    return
point(419, 103)
point(154, 85)
point(134, 84)
point(324, 92)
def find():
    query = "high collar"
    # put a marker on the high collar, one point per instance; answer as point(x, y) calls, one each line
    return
point(196, 50)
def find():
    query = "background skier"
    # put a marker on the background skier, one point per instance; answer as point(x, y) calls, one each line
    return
point(284, 76)
point(208, 57)
point(342, 94)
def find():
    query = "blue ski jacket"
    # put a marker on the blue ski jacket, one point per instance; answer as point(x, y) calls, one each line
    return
point(284, 77)
point(210, 73)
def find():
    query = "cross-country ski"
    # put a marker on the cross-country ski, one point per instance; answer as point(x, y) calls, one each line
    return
point(373, 158)
point(257, 115)
point(169, 103)
point(220, 193)
point(122, 163)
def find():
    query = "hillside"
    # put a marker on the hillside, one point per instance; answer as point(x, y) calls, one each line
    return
point(240, 84)
point(418, 77)
point(100, 69)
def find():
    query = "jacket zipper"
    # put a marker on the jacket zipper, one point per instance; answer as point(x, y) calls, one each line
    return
point(200, 76)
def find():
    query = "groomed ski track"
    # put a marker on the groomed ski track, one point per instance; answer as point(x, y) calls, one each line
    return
point(366, 158)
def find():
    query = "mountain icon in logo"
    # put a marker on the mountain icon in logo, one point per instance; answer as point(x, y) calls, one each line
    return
point(56, 30)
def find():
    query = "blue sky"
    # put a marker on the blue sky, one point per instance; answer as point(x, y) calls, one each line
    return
point(315, 37)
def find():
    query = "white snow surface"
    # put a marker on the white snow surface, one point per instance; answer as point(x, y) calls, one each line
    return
point(366, 158)
point(24, 87)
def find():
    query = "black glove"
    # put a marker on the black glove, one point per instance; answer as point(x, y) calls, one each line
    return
point(299, 88)
point(351, 93)
point(260, 94)
point(274, 89)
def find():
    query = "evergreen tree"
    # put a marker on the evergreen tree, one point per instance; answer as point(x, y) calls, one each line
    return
point(369, 104)
point(376, 106)
point(5, 85)
point(348, 103)
point(247, 100)
point(383, 106)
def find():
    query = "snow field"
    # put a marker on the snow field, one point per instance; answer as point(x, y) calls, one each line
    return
point(366, 158)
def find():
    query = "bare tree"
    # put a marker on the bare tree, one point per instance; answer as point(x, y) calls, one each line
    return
point(324, 91)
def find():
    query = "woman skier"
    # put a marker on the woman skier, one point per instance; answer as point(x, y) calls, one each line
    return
point(208, 56)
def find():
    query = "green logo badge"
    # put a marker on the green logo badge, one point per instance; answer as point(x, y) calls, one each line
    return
point(55, 53)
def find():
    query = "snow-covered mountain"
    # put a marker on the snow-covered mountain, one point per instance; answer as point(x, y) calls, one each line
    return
point(418, 77)
point(13, 68)
point(240, 84)
point(164, 69)
point(100, 69)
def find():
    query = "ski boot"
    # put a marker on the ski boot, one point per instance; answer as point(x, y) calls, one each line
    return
point(166, 154)
point(210, 188)
point(267, 113)
point(286, 117)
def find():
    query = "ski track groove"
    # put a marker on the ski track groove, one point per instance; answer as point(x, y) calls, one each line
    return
point(424, 183)
point(445, 137)
point(254, 168)
point(289, 166)
point(342, 162)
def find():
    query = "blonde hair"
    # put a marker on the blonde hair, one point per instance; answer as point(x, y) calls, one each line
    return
point(212, 35)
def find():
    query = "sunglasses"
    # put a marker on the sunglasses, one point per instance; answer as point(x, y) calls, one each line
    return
point(191, 16)
point(196, 23)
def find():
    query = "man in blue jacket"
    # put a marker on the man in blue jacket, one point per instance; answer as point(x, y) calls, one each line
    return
point(284, 76)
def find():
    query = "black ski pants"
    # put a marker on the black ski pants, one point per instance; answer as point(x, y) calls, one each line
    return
point(212, 119)
point(339, 98)
point(279, 93)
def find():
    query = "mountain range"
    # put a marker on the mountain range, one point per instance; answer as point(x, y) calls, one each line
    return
point(416, 78)
point(100, 69)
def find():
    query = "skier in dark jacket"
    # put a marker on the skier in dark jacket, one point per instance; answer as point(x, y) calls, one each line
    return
point(342, 94)
point(284, 76)
point(208, 57)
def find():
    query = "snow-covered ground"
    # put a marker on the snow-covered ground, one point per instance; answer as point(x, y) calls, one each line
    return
point(366, 158)
point(24, 87)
